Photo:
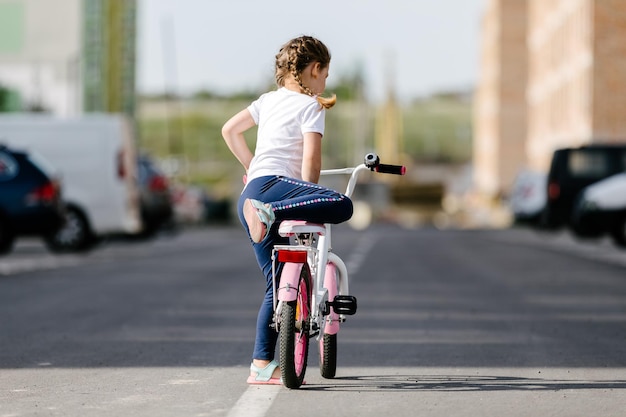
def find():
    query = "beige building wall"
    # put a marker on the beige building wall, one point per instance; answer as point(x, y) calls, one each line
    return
point(500, 118)
point(553, 74)
point(609, 75)
point(560, 82)
point(577, 82)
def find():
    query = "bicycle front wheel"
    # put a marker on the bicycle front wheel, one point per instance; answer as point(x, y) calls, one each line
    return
point(328, 356)
point(294, 333)
point(328, 343)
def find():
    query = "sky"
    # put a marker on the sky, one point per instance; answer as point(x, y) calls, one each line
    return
point(413, 47)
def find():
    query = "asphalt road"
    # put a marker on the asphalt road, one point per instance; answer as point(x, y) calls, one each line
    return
point(463, 323)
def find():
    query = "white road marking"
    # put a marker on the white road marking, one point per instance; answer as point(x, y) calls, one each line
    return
point(362, 248)
point(14, 266)
point(255, 401)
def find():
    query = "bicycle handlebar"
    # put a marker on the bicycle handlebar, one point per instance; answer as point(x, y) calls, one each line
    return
point(391, 169)
point(372, 161)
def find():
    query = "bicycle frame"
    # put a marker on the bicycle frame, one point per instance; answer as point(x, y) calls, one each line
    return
point(312, 298)
point(318, 257)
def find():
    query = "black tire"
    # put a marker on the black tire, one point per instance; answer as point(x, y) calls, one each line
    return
point(73, 236)
point(586, 232)
point(7, 237)
point(618, 232)
point(328, 356)
point(294, 334)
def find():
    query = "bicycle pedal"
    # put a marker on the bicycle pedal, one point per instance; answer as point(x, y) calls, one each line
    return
point(344, 304)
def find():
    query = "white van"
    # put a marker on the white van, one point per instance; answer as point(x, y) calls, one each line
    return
point(96, 160)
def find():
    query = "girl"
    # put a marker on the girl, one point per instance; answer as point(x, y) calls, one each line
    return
point(282, 174)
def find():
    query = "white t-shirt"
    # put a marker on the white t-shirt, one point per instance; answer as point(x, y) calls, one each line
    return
point(283, 117)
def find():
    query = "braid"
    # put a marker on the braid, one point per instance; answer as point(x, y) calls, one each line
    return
point(304, 88)
point(295, 56)
point(300, 59)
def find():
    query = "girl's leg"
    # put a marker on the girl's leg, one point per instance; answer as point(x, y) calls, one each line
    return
point(292, 199)
point(266, 337)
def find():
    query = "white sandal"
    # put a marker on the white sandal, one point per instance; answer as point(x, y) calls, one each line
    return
point(264, 376)
point(259, 218)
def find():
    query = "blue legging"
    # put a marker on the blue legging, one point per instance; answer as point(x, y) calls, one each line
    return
point(290, 199)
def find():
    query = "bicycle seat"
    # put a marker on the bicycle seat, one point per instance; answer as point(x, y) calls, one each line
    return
point(292, 227)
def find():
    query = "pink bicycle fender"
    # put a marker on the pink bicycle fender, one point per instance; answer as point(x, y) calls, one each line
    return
point(330, 283)
point(288, 287)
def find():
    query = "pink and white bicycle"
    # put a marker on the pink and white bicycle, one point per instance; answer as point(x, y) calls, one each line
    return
point(312, 297)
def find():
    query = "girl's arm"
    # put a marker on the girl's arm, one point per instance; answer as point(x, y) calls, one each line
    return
point(233, 130)
point(312, 157)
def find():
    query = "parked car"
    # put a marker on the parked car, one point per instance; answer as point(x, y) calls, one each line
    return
point(601, 209)
point(194, 205)
point(30, 197)
point(155, 197)
point(96, 158)
point(189, 204)
point(573, 169)
point(528, 197)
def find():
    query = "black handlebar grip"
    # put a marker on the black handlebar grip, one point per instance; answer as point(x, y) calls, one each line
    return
point(390, 169)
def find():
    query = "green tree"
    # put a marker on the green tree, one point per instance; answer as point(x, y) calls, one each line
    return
point(350, 86)
point(4, 99)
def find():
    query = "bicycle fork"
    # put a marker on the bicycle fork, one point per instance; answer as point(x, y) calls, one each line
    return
point(334, 286)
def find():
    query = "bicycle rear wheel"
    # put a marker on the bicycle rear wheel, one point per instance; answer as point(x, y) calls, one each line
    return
point(294, 333)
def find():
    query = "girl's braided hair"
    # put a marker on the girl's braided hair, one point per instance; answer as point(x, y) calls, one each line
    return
point(295, 56)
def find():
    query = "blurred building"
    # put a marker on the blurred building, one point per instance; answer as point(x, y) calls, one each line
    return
point(500, 112)
point(109, 45)
point(553, 74)
point(577, 75)
point(82, 60)
point(40, 56)
point(389, 132)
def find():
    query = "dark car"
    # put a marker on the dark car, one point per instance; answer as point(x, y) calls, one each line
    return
point(154, 195)
point(573, 169)
point(30, 197)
